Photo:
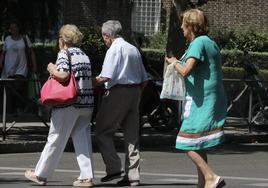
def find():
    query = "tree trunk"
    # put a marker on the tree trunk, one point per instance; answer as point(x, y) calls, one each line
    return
point(175, 40)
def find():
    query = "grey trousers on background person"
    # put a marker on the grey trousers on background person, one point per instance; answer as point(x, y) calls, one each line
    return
point(120, 107)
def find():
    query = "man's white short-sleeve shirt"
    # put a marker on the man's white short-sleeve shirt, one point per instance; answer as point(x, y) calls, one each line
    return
point(123, 64)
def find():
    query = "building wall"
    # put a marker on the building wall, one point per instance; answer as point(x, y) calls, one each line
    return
point(234, 13)
point(237, 13)
point(95, 12)
point(221, 13)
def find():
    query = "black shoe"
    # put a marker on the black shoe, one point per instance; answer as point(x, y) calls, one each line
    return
point(221, 183)
point(110, 177)
point(126, 182)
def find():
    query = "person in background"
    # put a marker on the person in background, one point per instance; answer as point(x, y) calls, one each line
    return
point(205, 107)
point(70, 120)
point(124, 77)
point(15, 60)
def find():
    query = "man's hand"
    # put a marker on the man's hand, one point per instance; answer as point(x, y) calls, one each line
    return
point(99, 80)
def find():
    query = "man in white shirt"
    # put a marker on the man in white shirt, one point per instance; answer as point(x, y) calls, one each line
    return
point(124, 77)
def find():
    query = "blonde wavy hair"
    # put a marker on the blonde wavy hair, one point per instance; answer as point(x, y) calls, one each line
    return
point(197, 21)
point(71, 35)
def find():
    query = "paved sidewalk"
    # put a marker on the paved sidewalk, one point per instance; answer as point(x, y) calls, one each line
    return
point(29, 135)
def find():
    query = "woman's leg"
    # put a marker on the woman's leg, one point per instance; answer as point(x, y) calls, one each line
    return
point(201, 178)
point(62, 122)
point(204, 171)
point(81, 137)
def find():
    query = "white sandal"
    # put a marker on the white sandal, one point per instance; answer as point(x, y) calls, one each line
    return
point(29, 174)
point(83, 183)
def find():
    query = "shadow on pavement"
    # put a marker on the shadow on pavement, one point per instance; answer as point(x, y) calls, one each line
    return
point(146, 184)
point(12, 181)
point(240, 148)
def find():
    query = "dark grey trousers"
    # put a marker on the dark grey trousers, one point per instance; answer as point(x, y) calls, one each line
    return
point(120, 107)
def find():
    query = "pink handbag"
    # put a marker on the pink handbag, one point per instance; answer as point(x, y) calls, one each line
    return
point(54, 93)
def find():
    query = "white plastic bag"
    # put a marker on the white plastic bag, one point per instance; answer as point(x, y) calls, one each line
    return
point(173, 85)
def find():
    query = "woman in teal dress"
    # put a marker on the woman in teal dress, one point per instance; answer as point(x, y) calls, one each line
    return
point(205, 106)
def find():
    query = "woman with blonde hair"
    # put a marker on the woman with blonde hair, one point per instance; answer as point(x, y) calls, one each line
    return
point(70, 120)
point(205, 106)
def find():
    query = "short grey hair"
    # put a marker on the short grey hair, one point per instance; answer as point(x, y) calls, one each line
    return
point(112, 27)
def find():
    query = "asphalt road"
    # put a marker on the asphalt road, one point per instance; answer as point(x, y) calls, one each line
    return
point(241, 166)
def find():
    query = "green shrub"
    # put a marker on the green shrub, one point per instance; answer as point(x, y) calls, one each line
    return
point(222, 37)
point(154, 59)
point(154, 54)
point(93, 43)
point(233, 72)
point(239, 73)
point(248, 39)
point(94, 47)
point(158, 40)
point(230, 58)
point(244, 38)
point(234, 58)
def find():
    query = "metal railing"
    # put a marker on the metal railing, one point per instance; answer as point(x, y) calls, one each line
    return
point(255, 98)
point(7, 84)
point(252, 94)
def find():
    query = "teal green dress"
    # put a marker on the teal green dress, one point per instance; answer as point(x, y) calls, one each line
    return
point(205, 106)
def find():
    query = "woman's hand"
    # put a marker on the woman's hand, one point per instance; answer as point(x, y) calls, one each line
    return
point(60, 76)
point(171, 60)
point(51, 68)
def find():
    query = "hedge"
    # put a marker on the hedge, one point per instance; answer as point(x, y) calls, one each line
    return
point(232, 60)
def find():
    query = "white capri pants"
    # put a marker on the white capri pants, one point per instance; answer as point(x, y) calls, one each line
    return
point(66, 122)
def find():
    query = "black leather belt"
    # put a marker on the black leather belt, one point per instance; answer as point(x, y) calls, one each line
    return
point(127, 85)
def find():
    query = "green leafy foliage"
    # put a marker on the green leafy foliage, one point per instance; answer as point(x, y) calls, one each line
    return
point(230, 58)
point(244, 38)
point(248, 39)
point(93, 44)
point(94, 47)
point(158, 41)
point(234, 58)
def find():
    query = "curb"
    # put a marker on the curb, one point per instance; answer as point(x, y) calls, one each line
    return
point(22, 147)
point(247, 138)
point(146, 142)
